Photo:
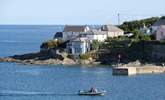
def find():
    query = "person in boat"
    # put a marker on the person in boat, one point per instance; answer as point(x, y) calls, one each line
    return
point(93, 90)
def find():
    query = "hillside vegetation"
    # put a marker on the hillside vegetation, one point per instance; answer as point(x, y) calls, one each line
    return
point(130, 26)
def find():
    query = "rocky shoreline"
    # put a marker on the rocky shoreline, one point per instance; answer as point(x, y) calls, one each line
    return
point(45, 59)
point(22, 59)
point(40, 58)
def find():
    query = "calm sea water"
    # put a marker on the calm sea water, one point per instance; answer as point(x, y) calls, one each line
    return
point(16, 39)
point(57, 82)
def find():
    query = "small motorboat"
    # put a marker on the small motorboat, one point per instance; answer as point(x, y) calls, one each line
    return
point(91, 93)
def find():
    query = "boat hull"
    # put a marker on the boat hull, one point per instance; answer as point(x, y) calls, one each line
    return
point(91, 94)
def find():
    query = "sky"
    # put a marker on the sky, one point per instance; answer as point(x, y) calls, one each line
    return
point(53, 12)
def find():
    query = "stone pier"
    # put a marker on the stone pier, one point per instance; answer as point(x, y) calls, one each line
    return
point(137, 70)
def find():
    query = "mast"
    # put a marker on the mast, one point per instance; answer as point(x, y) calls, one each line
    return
point(118, 15)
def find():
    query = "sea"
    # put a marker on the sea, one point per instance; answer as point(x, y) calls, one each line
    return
point(59, 82)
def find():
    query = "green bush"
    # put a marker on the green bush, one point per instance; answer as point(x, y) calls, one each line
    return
point(146, 37)
point(51, 44)
point(85, 56)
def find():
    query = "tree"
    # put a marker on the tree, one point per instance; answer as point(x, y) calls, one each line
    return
point(95, 44)
point(137, 24)
point(51, 44)
point(137, 35)
point(163, 17)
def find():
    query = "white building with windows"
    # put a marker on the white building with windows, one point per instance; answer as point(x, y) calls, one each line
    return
point(78, 46)
point(79, 37)
point(100, 36)
point(74, 31)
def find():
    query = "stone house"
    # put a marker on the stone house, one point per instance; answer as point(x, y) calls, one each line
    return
point(112, 31)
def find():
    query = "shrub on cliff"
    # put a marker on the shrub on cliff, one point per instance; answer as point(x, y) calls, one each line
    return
point(50, 44)
point(95, 45)
point(85, 56)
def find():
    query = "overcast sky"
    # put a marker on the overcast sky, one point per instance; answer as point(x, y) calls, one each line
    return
point(77, 11)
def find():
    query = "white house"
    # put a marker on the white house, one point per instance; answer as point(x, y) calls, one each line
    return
point(78, 46)
point(98, 35)
point(73, 31)
point(160, 33)
point(112, 31)
point(156, 25)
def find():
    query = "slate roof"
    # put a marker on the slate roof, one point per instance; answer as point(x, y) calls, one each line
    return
point(74, 28)
point(111, 28)
point(97, 32)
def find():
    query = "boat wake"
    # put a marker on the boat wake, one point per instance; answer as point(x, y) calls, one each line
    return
point(19, 93)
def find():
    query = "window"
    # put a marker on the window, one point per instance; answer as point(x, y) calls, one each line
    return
point(77, 50)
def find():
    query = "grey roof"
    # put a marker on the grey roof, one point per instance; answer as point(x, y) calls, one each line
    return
point(74, 28)
point(159, 22)
point(97, 32)
point(111, 28)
